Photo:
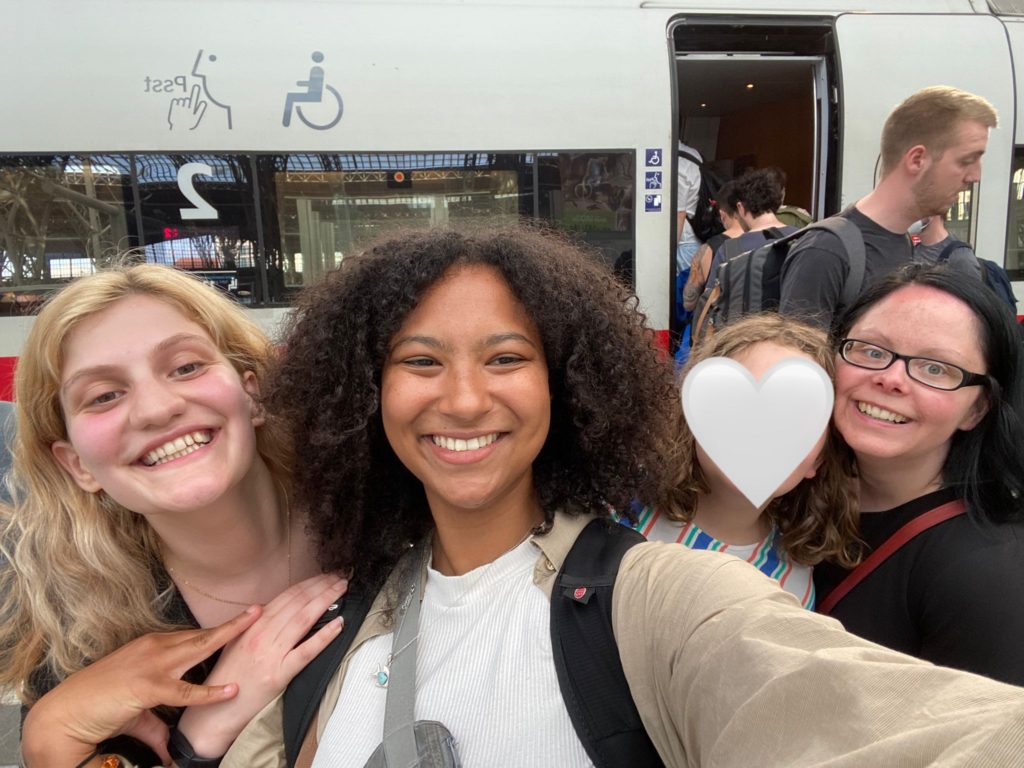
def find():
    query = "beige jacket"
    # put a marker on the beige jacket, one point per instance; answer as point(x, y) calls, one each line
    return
point(727, 669)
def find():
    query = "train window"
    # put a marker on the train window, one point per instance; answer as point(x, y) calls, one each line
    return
point(1015, 220)
point(63, 216)
point(60, 216)
point(318, 208)
point(960, 218)
point(198, 213)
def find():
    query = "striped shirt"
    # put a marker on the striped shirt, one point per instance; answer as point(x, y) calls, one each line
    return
point(766, 555)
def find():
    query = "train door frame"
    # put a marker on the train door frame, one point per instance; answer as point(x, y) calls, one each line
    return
point(810, 39)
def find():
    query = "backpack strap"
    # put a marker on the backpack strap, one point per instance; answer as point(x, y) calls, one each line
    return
point(302, 696)
point(948, 250)
point(850, 236)
point(586, 655)
point(889, 547)
point(692, 158)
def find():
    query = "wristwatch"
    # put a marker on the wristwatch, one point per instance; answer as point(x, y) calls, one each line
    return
point(184, 755)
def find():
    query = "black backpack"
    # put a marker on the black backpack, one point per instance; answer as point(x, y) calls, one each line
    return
point(751, 281)
point(586, 656)
point(705, 221)
point(993, 275)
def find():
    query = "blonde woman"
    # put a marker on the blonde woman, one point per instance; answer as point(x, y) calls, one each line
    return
point(150, 494)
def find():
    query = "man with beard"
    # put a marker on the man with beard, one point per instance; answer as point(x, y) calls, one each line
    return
point(931, 151)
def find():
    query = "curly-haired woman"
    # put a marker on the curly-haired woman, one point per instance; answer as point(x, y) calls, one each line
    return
point(811, 517)
point(150, 494)
point(486, 398)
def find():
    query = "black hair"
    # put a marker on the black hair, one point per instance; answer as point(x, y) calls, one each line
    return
point(614, 403)
point(759, 190)
point(987, 462)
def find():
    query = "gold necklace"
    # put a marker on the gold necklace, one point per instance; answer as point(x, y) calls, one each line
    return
point(171, 570)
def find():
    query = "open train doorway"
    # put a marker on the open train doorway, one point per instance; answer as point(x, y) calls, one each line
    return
point(758, 94)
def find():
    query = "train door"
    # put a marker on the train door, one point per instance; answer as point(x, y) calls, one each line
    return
point(759, 93)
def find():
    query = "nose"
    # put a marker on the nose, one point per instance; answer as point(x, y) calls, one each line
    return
point(894, 378)
point(155, 403)
point(466, 395)
point(973, 175)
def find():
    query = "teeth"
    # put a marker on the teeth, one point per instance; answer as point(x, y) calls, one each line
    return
point(175, 449)
point(472, 444)
point(880, 413)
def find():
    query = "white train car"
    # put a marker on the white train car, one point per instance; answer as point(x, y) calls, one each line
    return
point(260, 142)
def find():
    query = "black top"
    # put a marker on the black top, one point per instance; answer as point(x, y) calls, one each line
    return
point(953, 595)
point(177, 612)
point(813, 275)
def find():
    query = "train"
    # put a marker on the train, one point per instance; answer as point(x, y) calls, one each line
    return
point(258, 142)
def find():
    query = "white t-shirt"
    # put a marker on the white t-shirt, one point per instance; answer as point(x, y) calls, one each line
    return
point(687, 190)
point(484, 668)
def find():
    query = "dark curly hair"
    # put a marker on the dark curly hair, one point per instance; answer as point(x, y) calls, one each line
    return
point(614, 406)
point(759, 190)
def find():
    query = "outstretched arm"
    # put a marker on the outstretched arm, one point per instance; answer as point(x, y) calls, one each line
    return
point(727, 669)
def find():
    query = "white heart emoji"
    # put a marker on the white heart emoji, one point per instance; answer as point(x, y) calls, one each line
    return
point(757, 432)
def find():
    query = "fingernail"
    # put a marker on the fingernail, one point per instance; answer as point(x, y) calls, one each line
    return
point(251, 609)
point(339, 624)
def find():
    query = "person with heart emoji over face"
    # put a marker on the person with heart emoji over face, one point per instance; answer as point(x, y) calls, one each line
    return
point(930, 398)
point(782, 517)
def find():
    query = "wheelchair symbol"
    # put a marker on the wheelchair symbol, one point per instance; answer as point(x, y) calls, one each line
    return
point(314, 94)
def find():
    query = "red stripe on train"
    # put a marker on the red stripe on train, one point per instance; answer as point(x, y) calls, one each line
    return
point(7, 377)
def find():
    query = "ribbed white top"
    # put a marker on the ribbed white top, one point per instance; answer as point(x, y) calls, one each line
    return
point(484, 668)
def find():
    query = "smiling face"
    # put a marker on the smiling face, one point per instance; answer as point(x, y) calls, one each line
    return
point(886, 414)
point(464, 395)
point(156, 416)
point(956, 169)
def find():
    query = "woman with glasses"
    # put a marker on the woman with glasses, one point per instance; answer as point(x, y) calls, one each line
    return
point(929, 397)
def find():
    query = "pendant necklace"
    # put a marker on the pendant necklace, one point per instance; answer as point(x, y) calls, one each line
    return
point(382, 675)
point(198, 590)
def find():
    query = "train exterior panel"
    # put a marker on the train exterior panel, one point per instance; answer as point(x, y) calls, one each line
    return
point(259, 143)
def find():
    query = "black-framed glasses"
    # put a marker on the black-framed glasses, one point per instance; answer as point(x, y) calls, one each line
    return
point(932, 373)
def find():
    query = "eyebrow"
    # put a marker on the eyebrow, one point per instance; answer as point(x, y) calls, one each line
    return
point(939, 355)
point(108, 370)
point(490, 341)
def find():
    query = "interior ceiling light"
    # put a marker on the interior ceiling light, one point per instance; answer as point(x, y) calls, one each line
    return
point(750, 86)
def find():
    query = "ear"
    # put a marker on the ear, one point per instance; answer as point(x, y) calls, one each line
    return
point(71, 462)
point(251, 385)
point(976, 413)
point(916, 159)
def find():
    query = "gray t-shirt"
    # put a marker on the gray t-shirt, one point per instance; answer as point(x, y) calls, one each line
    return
point(813, 276)
point(960, 258)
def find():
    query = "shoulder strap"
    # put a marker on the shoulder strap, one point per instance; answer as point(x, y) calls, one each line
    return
point(948, 250)
point(889, 547)
point(302, 696)
point(692, 158)
point(730, 249)
point(850, 236)
point(586, 655)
